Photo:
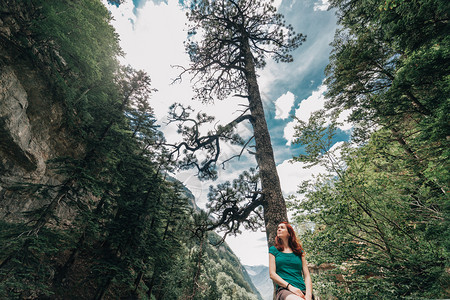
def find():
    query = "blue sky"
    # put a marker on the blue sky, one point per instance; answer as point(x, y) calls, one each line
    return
point(152, 35)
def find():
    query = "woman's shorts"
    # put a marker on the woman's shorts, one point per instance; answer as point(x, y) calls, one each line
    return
point(282, 293)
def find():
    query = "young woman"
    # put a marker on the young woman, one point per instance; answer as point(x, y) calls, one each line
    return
point(287, 262)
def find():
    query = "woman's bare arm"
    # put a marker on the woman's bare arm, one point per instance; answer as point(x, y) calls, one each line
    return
point(307, 278)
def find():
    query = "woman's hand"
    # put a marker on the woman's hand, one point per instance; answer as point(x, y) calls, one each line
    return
point(296, 291)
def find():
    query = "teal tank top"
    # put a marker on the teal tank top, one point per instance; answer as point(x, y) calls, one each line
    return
point(289, 267)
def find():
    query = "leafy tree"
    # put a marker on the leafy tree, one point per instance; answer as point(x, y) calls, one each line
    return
point(381, 215)
point(379, 56)
point(236, 38)
point(378, 226)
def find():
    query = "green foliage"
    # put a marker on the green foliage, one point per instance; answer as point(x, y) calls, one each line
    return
point(381, 214)
point(221, 276)
point(70, 27)
point(76, 48)
point(386, 235)
point(399, 54)
point(25, 269)
point(389, 4)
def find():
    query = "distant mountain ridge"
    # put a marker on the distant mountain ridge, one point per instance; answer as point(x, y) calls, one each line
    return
point(261, 279)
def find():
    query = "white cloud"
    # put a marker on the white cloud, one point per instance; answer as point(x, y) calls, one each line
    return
point(306, 107)
point(312, 104)
point(292, 174)
point(313, 54)
point(322, 5)
point(336, 150)
point(275, 74)
point(277, 3)
point(283, 105)
point(289, 132)
point(343, 120)
point(153, 41)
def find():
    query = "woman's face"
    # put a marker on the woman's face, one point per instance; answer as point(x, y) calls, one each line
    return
point(282, 231)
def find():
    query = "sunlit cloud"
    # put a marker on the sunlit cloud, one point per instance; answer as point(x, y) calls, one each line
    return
point(284, 105)
point(310, 105)
point(152, 37)
point(306, 107)
point(292, 174)
point(322, 5)
point(251, 248)
point(289, 132)
point(342, 120)
point(277, 3)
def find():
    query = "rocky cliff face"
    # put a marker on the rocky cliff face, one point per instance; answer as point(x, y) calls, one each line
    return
point(31, 126)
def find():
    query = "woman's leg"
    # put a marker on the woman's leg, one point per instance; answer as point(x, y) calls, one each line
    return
point(284, 294)
point(293, 297)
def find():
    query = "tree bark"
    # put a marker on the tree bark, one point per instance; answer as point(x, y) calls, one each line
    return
point(273, 202)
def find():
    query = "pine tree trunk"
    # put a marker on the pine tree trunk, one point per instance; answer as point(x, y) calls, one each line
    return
point(160, 292)
point(62, 272)
point(150, 284)
point(101, 290)
point(197, 269)
point(274, 204)
point(138, 280)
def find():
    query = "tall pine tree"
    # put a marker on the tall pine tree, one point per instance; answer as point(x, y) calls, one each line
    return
point(237, 36)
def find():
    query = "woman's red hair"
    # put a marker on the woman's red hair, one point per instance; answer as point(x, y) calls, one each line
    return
point(292, 241)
